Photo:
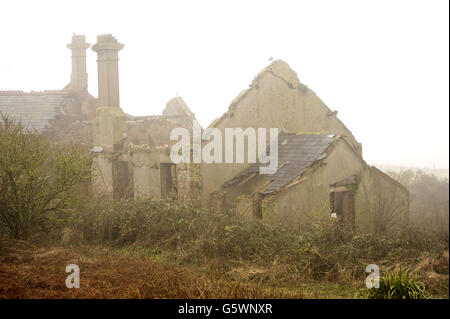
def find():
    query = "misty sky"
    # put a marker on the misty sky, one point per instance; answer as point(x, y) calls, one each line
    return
point(383, 65)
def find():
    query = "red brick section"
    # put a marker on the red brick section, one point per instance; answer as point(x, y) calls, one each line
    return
point(81, 132)
point(189, 183)
point(67, 130)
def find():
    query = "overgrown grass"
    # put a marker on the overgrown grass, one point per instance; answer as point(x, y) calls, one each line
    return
point(247, 257)
point(224, 241)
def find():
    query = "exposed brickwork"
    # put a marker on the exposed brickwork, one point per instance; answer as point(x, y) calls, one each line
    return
point(189, 183)
point(67, 130)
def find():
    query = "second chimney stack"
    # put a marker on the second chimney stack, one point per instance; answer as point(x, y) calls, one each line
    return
point(107, 48)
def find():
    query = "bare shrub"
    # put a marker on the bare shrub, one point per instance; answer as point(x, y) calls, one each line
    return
point(429, 201)
point(38, 180)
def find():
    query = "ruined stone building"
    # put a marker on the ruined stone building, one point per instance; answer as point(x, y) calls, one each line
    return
point(321, 169)
point(131, 152)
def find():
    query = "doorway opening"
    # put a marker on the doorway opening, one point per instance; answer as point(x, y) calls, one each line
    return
point(168, 180)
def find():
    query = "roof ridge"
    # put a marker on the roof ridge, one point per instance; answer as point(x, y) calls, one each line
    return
point(34, 93)
point(313, 133)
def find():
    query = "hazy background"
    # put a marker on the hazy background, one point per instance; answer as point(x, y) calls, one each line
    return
point(384, 65)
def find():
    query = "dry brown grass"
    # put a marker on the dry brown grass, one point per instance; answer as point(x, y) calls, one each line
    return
point(31, 271)
point(28, 271)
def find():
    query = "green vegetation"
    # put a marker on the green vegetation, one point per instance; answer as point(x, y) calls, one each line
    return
point(39, 181)
point(44, 200)
point(229, 245)
point(429, 201)
point(398, 286)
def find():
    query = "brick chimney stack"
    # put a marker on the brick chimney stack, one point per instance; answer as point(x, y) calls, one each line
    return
point(79, 77)
point(107, 48)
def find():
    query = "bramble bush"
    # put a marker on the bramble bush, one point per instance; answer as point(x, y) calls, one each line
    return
point(39, 181)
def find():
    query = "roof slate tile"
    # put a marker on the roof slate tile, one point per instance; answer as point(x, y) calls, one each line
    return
point(33, 109)
point(294, 158)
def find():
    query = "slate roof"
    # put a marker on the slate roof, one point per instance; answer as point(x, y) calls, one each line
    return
point(296, 153)
point(34, 109)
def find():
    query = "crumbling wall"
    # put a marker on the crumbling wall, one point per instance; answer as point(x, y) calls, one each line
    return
point(244, 206)
point(381, 203)
point(375, 194)
point(310, 197)
point(72, 131)
point(80, 132)
point(109, 127)
point(177, 107)
point(228, 197)
point(154, 130)
point(102, 179)
point(146, 174)
point(146, 163)
point(275, 99)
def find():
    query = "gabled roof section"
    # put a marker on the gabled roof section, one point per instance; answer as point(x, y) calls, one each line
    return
point(177, 107)
point(389, 178)
point(159, 127)
point(176, 114)
point(34, 109)
point(296, 153)
point(279, 69)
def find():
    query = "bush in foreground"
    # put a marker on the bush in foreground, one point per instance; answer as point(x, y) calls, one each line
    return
point(398, 286)
point(38, 180)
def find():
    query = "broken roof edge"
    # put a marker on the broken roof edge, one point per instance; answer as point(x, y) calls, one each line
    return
point(389, 178)
point(293, 83)
point(289, 77)
point(317, 163)
point(313, 167)
point(309, 170)
point(237, 179)
point(337, 118)
point(177, 106)
point(313, 133)
point(168, 112)
point(282, 70)
point(144, 148)
point(296, 84)
point(34, 93)
point(245, 173)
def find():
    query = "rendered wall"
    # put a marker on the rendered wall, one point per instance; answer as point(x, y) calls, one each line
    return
point(102, 179)
point(147, 170)
point(379, 200)
point(310, 197)
point(382, 205)
point(275, 99)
